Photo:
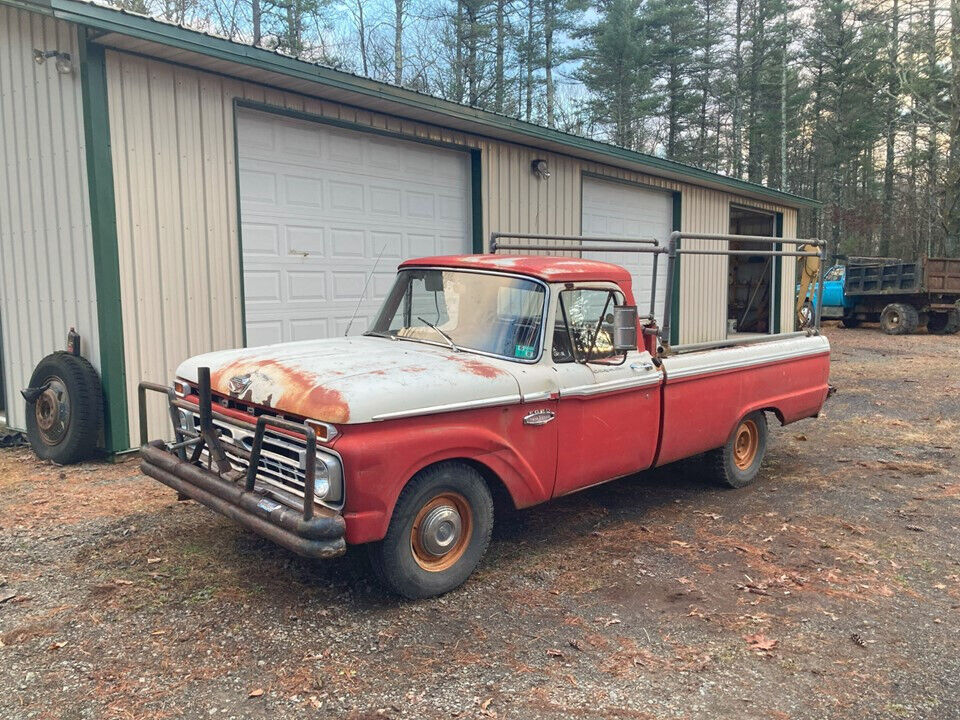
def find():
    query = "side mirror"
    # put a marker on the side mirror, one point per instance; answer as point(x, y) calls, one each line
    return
point(624, 328)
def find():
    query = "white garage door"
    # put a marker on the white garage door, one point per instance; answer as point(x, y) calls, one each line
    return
point(319, 205)
point(612, 209)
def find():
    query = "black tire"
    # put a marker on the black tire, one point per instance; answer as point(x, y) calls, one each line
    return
point(943, 323)
point(805, 316)
point(64, 422)
point(401, 560)
point(725, 465)
point(899, 319)
point(850, 322)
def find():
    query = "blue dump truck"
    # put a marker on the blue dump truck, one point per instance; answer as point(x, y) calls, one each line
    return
point(901, 296)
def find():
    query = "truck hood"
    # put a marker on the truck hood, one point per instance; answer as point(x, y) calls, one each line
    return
point(356, 379)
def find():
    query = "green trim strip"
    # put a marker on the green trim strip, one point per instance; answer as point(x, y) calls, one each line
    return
point(144, 28)
point(675, 326)
point(106, 260)
point(236, 186)
point(476, 199)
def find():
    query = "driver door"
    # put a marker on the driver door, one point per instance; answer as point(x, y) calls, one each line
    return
point(609, 404)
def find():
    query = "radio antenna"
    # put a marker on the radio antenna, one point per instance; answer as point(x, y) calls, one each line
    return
point(364, 293)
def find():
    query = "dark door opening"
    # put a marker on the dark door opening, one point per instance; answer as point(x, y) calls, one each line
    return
point(750, 277)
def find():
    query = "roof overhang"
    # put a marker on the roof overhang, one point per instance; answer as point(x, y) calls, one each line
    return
point(174, 43)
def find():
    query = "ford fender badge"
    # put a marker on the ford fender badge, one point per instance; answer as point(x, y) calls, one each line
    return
point(239, 383)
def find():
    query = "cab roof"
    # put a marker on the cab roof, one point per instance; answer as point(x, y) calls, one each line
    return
point(549, 269)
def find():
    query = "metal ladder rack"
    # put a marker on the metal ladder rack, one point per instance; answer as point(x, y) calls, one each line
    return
point(575, 243)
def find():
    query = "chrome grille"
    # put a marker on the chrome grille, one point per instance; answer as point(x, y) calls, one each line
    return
point(282, 463)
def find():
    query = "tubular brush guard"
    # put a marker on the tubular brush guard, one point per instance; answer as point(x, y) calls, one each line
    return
point(305, 533)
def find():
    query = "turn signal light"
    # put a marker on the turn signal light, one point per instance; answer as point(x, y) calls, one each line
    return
point(181, 388)
point(325, 431)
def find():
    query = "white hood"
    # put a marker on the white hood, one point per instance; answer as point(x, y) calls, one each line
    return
point(356, 379)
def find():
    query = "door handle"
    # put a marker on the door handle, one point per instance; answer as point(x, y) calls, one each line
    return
point(539, 417)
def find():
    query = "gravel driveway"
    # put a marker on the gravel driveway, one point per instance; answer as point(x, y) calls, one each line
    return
point(830, 588)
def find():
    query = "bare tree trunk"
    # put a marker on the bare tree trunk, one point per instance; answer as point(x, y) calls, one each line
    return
point(529, 84)
point(499, 86)
point(893, 90)
point(458, 54)
point(736, 149)
point(473, 80)
point(256, 16)
point(952, 200)
point(783, 101)
point(398, 42)
point(932, 131)
point(548, 28)
point(705, 88)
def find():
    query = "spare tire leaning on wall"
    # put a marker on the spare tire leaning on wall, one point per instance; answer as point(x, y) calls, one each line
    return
point(64, 408)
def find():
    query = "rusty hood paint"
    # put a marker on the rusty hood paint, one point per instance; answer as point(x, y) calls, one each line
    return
point(356, 379)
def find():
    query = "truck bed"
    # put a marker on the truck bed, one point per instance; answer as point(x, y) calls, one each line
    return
point(883, 276)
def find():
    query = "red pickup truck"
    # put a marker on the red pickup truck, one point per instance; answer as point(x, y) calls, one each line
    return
point(482, 375)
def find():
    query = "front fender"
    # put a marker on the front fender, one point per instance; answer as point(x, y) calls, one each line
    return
point(381, 458)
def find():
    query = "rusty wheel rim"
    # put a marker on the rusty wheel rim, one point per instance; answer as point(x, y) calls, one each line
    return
point(52, 411)
point(441, 532)
point(745, 444)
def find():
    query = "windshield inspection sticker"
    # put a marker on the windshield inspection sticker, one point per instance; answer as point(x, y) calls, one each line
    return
point(526, 352)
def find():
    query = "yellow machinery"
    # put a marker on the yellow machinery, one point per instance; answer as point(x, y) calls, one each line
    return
point(809, 268)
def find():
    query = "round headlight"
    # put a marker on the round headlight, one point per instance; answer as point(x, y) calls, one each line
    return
point(321, 487)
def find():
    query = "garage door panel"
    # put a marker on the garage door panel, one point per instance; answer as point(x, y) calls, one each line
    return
point(262, 239)
point(319, 205)
point(612, 209)
point(309, 285)
point(263, 332)
point(258, 187)
point(309, 328)
point(303, 241)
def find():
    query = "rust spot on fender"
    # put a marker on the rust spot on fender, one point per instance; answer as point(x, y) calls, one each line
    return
point(277, 385)
point(477, 367)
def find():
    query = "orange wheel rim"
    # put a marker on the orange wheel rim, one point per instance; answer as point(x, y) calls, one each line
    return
point(745, 443)
point(441, 532)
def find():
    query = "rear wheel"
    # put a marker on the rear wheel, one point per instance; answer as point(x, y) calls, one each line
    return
point(943, 323)
point(737, 463)
point(438, 534)
point(899, 319)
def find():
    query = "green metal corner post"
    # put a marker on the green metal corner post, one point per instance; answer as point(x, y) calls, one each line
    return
point(106, 261)
point(675, 326)
point(476, 199)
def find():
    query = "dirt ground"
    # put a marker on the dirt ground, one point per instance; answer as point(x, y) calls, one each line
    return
point(830, 588)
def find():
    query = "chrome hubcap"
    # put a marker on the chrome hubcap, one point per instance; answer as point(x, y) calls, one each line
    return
point(440, 530)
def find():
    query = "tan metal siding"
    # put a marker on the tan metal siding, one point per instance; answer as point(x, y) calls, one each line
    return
point(173, 152)
point(46, 250)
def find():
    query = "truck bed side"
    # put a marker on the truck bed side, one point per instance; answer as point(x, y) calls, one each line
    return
point(706, 393)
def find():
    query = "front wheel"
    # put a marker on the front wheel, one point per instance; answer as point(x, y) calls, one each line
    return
point(737, 463)
point(438, 534)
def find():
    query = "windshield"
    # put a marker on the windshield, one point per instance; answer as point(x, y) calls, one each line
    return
point(495, 314)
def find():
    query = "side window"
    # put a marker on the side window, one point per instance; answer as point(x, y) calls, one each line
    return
point(834, 274)
point(583, 331)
